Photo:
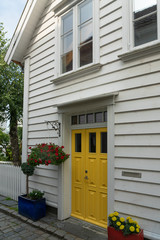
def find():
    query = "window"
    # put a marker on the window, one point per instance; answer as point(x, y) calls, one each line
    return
point(77, 36)
point(141, 36)
point(144, 21)
point(97, 117)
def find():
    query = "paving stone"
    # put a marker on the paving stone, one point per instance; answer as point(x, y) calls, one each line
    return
point(52, 238)
point(69, 237)
point(2, 198)
point(60, 233)
point(9, 203)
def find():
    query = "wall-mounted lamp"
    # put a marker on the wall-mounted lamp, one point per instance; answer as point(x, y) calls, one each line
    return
point(55, 125)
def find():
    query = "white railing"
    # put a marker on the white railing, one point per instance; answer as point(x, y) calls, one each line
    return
point(10, 181)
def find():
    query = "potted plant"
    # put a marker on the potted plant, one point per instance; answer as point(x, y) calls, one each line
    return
point(122, 229)
point(33, 204)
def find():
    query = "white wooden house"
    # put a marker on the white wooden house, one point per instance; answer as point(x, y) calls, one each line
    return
point(94, 67)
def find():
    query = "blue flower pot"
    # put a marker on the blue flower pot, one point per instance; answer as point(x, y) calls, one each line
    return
point(33, 209)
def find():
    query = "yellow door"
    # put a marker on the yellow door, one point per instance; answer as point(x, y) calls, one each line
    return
point(89, 175)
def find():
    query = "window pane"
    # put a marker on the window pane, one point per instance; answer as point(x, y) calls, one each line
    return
point(105, 116)
point(67, 62)
point(99, 117)
point(82, 119)
point(92, 142)
point(86, 33)
point(103, 142)
point(145, 30)
point(90, 118)
point(143, 4)
point(145, 21)
point(86, 55)
point(67, 22)
point(74, 120)
point(67, 43)
point(85, 11)
point(78, 142)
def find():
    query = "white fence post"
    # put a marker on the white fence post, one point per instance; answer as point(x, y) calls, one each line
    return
point(10, 180)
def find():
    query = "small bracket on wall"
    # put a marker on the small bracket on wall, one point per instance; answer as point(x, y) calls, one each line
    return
point(55, 125)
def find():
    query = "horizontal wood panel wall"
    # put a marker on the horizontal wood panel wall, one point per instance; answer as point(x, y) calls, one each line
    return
point(137, 111)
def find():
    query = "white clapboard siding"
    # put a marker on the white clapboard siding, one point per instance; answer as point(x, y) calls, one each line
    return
point(136, 118)
point(137, 163)
point(10, 181)
point(137, 128)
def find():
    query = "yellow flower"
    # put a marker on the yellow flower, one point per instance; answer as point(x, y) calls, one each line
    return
point(135, 222)
point(111, 215)
point(130, 220)
point(114, 219)
point(137, 230)
point(122, 219)
point(118, 223)
point(116, 214)
point(137, 226)
point(121, 227)
point(132, 229)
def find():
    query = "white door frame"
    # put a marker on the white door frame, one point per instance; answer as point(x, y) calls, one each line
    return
point(65, 174)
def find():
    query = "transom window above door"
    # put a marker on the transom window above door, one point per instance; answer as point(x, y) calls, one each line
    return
point(97, 117)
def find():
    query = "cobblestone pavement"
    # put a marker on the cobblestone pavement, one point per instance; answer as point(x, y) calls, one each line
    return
point(15, 229)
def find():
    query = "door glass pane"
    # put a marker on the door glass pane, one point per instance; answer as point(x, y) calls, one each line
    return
point(78, 142)
point(85, 11)
point(92, 142)
point(103, 142)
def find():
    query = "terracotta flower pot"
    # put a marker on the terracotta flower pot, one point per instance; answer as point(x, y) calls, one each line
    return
point(118, 235)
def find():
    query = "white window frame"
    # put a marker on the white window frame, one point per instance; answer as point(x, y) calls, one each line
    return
point(129, 50)
point(132, 27)
point(95, 65)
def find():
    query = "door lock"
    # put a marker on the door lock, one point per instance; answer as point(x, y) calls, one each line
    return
point(86, 177)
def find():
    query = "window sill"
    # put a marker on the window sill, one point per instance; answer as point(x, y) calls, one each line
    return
point(140, 52)
point(77, 74)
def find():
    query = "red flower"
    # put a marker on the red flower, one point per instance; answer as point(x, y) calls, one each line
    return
point(62, 157)
point(40, 160)
point(48, 155)
point(46, 163)
point(62, 147)
point(35, 160)
point(29, 148)
point(41, 150)
point(56, 154)
point(49, 161)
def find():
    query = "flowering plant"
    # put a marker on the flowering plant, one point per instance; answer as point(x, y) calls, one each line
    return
point(127, 226)
point(46, 154)
point(36, 194)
